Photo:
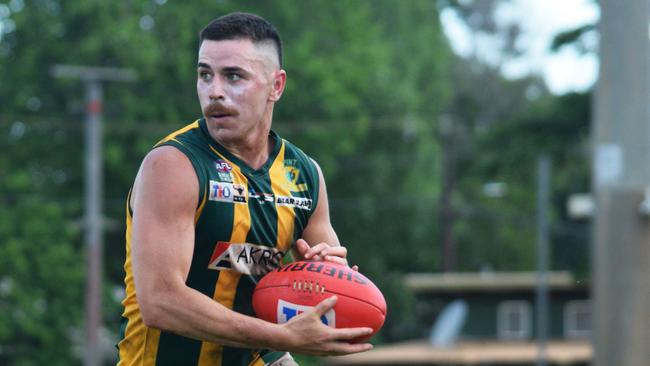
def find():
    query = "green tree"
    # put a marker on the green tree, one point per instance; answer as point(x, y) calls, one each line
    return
point(363, 98)
point(40, 267)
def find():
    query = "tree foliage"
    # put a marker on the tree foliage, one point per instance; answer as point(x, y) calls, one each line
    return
point(372, 92)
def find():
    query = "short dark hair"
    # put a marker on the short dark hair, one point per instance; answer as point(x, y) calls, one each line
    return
point(242, 25)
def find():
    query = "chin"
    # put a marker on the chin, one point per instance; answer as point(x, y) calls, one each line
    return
point(226, 135)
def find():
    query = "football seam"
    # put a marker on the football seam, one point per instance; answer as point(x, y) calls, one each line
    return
point(339, 294)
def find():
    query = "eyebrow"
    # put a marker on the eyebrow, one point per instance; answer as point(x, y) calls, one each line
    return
point(233, 69)
point(226, 69)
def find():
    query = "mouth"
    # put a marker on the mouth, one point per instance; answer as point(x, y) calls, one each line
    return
point(219, 115)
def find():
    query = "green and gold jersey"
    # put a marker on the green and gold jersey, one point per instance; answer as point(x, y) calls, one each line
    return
point(245, 223)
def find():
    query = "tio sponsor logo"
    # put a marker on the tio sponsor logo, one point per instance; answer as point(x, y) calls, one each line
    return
point(227, 192)
point(287, 310)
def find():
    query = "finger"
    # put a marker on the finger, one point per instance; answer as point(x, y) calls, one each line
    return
point(302, 247)
point(316, 249)
point(338, 260)
point(351, 333)
point(325, 306)
point(336, 251)
point(344, 348)
point(355, 268)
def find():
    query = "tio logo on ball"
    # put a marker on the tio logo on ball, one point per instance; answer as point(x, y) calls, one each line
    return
point(287, 310)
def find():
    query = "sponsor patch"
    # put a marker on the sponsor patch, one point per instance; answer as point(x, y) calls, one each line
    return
point(240, 193)
point(227, 192)
point(245, 258)
point(220, 191)
point(287, 310)
point(302, 203)
point(224, 177)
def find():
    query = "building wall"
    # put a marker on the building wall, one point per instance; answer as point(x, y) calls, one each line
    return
point(481, 322)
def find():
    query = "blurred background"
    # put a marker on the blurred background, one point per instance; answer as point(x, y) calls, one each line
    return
point(429, 119)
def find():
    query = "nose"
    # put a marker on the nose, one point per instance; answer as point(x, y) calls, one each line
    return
point(216, 91)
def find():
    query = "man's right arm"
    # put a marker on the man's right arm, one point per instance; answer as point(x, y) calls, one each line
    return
point(164, 201)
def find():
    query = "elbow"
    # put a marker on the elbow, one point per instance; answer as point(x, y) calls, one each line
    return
point(154, 313)
point(151, 314)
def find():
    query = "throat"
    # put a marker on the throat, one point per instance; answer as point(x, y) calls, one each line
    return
point(253, 153)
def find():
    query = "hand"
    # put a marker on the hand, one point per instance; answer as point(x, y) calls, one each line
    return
point(323, 252)
point(308, 335)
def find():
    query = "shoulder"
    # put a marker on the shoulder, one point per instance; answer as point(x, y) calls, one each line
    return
point(185, 134)
point(166, 172)
point(162, 158)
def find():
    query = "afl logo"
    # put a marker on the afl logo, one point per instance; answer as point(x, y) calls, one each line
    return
point(222, 166)
point(287, 310)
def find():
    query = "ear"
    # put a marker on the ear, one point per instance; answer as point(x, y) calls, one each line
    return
point(279, 82)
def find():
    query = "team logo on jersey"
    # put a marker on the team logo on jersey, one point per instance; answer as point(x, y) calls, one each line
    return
point(224, 170)
point(245, 258)
point(227, 192)
point(292, 173)
point(287, 310)
point(302, 203)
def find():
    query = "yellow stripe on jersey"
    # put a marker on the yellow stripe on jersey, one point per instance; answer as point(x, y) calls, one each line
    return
point(286, 214)
point(257, 360)
point(226, 288)
point(173, 135)
point(140, 343)
point(199, 210)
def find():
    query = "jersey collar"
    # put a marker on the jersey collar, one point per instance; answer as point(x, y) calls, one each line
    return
point(277, 144)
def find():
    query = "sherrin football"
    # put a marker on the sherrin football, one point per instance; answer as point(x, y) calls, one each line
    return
point(297, 287)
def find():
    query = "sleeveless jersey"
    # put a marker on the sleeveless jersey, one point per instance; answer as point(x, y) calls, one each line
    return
point(245, 222)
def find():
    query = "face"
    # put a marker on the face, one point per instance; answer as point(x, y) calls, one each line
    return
point(238, 82)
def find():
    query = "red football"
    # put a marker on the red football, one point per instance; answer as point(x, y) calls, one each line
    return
point(299, 286)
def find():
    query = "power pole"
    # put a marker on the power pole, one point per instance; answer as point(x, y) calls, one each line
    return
point(621, 254)
point(541, 288)
point(93, 193)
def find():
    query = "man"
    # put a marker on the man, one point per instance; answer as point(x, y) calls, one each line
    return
point(216, 205)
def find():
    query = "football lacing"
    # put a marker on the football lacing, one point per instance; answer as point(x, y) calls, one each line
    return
point(308, 286)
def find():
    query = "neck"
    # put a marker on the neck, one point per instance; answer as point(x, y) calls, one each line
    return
point(253, 149)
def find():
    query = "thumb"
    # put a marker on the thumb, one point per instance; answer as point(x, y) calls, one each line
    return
point(302, 246)
point(325, 305)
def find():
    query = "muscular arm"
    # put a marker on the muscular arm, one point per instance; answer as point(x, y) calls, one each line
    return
point(319, 240)
point(164, 201)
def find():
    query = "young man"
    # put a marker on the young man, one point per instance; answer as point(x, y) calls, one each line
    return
point(216, 205)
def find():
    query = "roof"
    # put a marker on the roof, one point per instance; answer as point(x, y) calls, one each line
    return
point(488, 281)
point(467, 353)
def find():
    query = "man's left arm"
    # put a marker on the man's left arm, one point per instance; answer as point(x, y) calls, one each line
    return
point(319, 240)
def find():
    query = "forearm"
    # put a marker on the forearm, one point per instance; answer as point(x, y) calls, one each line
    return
point(191, 314)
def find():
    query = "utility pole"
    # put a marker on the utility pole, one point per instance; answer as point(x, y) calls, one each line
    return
point(621, 176)
point(541, 288)
point(93, 193)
